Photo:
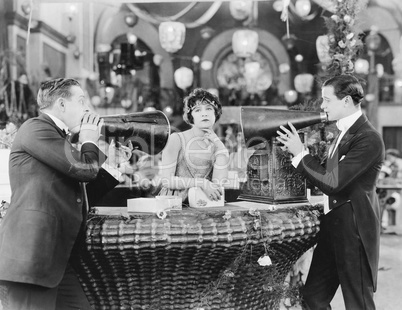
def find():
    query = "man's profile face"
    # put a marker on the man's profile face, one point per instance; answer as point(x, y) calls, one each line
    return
point(331, 104)
point(75, 107)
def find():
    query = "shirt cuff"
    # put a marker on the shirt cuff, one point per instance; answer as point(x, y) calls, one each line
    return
point(297, 159)
point(114, 172)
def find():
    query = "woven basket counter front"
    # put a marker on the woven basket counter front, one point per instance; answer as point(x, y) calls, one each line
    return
point(194, 259)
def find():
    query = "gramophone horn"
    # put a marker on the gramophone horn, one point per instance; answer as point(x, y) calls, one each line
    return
point(147, 131)
point(260, 124)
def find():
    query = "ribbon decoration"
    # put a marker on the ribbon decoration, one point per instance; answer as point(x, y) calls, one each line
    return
point(28, 34)
point(285, 10)
point(157, 19)
point(285, 15)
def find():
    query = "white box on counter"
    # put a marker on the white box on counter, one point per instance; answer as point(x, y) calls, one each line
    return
point(153, 205)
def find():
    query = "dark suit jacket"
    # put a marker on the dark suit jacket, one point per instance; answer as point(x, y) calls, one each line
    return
point(46, 209)
point(350, 177)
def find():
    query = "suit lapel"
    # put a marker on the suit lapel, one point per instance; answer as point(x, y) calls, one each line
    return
point(349, 135)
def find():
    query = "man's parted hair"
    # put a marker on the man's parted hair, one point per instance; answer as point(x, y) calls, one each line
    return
point(49, 91)
point(346, 85)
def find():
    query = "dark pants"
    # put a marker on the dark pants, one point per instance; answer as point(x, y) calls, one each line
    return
point(67, 295)
point(339, 259)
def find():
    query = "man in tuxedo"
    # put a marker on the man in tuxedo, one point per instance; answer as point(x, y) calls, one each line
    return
point(347, 251)
point(53, 184)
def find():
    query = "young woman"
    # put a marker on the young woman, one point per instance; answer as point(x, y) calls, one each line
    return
point(196, 157)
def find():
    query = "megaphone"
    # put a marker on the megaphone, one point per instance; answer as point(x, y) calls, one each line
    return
point(259, 124)
point(147, 131)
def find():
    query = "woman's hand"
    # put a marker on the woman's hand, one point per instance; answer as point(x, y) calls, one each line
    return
point(210, 136)
point(212, 190)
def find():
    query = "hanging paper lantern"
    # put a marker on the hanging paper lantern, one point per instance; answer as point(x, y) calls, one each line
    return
point(304, 82)
point(303, 7)
point(245, 43)
point(171, 36)
point(240, 10)
point(362, 66)
point(322, 45)
point(183, 77)
point(290, 96)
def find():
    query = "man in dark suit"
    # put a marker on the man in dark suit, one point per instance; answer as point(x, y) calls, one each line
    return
point(49, 202)
point(347, 251)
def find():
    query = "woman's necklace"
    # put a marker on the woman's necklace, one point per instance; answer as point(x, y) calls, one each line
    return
point(204, 140)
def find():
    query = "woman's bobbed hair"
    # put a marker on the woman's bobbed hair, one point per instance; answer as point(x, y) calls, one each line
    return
point(200, 96)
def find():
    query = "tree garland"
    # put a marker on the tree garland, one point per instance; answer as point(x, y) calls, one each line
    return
point(343, 37)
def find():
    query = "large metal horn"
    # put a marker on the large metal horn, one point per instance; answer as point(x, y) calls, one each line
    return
point(147, 131)
point(260, 124)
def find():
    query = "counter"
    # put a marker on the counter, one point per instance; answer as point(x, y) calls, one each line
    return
point(195, 259)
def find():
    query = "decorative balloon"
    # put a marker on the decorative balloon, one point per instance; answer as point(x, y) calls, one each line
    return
point(322, 46)
point(168, 111)
point(303, 7)
point(206, 65)
point(290, 96)
point(304, 82)
point(362, 66)
point(183, 77)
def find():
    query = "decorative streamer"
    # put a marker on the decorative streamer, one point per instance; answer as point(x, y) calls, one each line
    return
point(28, 35)
point(285, 15)
point(157, 19)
